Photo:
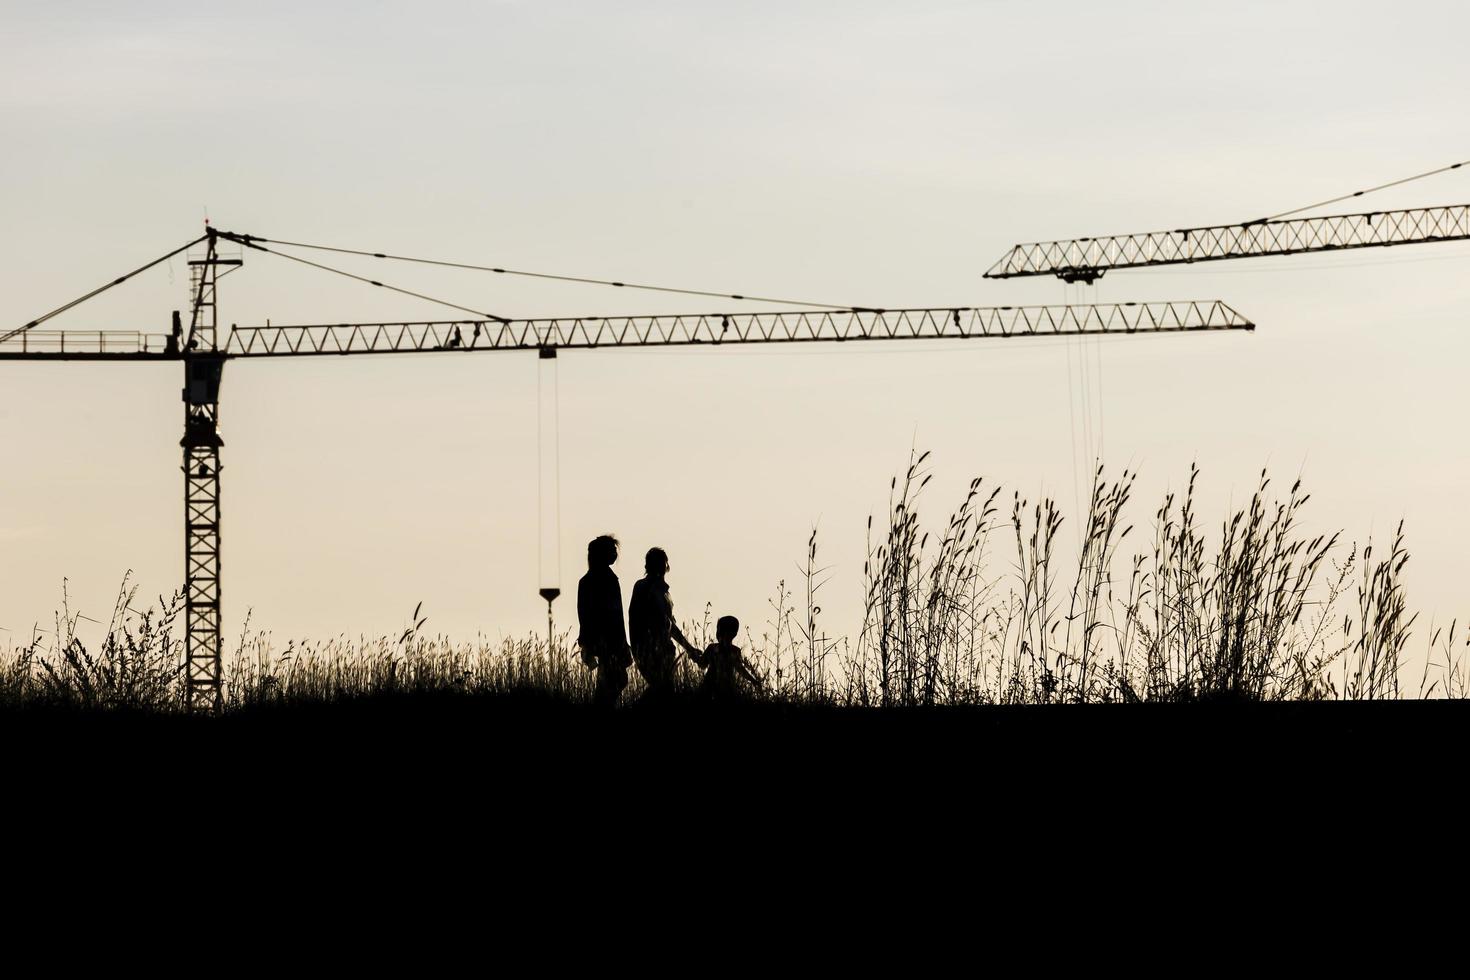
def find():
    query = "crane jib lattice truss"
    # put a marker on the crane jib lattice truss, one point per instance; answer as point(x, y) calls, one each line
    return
point(674, 330)
point(1086, 259)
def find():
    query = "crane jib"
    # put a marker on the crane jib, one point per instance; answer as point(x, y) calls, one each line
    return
point(589, 333)
point(1087, 259)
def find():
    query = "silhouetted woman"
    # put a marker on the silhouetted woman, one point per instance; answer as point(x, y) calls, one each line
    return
point(653, 628)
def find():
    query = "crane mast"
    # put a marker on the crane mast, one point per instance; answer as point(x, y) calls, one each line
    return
point(203, 371)
point(1086, 259)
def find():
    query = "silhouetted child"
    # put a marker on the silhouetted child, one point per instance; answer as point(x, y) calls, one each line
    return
point(724, 664)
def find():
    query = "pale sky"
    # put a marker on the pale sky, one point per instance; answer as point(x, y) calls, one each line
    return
point(875, 154)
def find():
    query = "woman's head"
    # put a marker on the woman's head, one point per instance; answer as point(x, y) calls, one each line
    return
point(656, 562)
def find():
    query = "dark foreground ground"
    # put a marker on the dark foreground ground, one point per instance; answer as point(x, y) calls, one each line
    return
point(873, 833)
point(522, 805)
point(507, 749)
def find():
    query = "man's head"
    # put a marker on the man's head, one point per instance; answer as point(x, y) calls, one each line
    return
point(602, 551)
point(656, 562)
point(727, 628)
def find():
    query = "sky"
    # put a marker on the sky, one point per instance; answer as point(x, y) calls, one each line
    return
point(858, 153)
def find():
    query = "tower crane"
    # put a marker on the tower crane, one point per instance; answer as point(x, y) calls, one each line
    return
point(1085, 260)
point(203, 348)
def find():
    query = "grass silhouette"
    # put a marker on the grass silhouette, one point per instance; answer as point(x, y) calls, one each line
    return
point(1257, 612)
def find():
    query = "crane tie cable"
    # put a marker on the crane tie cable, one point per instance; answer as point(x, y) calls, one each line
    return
point(248, 239)
point(99, 290)
point(1369, 190)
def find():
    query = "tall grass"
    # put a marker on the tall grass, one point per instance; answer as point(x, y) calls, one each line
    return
point(137, 666)
point(981, 609)
point(1252, 617)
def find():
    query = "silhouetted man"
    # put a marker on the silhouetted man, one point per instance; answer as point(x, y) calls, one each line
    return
point(651, 623)
point(600, 621)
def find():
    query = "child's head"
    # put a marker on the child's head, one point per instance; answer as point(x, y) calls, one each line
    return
point(602, 551)
point(727, 628)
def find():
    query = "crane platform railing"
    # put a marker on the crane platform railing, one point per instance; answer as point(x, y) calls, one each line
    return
point(1086, 259)
point(84, 344)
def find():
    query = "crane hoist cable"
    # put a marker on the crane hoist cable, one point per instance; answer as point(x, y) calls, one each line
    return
point(1366, 190)
point(548, 485)
point(248, 239)
point(1102, 421)
point(1086, 406)
point(1090, 293)
point(1072, 422)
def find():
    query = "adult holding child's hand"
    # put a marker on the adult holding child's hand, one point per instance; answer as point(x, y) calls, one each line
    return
point(654, 629)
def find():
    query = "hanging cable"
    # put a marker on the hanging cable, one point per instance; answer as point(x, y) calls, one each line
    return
point(248, 239)
point(548, 486)
point(1097, 386)
point(250, 242)
point(1102, 445)
point(1072, 422)
point(1368, 190)
point(1086, 376)
point(1077, 451)
point(99, 290)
